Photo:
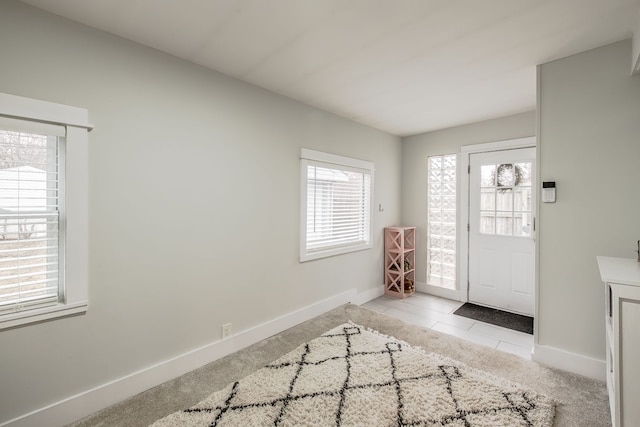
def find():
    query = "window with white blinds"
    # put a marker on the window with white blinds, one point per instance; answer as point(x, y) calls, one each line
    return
point(336, 205)
point(44, 174)
point(30, 216)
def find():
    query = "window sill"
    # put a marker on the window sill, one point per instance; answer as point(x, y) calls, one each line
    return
point(333, 252)
point(26, 317)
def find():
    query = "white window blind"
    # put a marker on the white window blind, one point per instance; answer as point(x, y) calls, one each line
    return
point(31, 246)
point(336, 211)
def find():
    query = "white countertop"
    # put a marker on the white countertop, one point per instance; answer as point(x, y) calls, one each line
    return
point(625, 271)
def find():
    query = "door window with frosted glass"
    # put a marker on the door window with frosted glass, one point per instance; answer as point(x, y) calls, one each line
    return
point(505, 199)
point(441, 221)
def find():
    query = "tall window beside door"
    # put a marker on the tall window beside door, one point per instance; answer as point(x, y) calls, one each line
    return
point(441, 221)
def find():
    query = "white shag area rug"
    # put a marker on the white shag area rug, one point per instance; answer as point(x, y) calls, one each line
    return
point(351, 376)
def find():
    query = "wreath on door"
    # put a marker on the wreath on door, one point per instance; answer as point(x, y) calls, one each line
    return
point(508, 175)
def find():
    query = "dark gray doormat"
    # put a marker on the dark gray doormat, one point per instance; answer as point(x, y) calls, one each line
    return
point(517, 322)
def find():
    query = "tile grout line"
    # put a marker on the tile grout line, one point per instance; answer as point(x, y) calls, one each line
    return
point(383, 305)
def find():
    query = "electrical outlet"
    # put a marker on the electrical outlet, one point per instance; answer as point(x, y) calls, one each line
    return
point(226, 330)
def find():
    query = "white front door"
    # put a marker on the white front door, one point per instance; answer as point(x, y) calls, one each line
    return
point(501, 229)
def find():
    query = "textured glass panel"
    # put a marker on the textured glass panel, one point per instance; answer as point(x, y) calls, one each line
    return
point(441, 217)
point(449, 258)
point(435, 175)
point(435, 188)
point(449, 175)
point(487, 199)
point(435, 242)
point(506, 175)
point(487, 175)
point(522, 225)
point(435, 256)
point(449, 230)
point(504, 199)
point(449, 161)
point(435, 215)
point(449, 245)
point(449, 190)
point(449, 217)
point(487, 222)
point(435, 162)
point(448, 271)
point(504, 224)
point(435, 202)
point(523, 173)
point(449, 202)
point(436, 269)
point(522, 200)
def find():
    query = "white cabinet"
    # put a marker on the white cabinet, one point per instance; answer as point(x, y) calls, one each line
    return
point(622, 298)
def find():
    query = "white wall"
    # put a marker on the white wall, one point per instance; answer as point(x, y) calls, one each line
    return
point(589, 144)
point(416, 149)
point(194, 206)
point(635, 60)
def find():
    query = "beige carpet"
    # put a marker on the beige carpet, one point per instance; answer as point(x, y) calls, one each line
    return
point(580, 401)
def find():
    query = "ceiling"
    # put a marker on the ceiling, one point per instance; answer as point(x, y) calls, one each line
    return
point(402, 66)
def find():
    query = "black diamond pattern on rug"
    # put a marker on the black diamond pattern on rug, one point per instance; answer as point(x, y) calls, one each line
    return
point(352, 377)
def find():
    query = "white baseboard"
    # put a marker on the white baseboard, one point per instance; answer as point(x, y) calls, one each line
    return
point(371, 294)
point(572, 362)
point(90, 401)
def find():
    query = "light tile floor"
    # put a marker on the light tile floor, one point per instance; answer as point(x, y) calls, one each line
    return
point(437, 313)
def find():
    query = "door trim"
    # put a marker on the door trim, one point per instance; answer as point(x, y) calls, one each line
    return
point(508, 144)
point(463, 203)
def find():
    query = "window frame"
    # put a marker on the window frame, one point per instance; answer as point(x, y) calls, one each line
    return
point(322, 159)
point(75, 224)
